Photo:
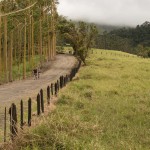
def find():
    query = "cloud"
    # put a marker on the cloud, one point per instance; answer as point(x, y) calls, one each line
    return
point(113, 12)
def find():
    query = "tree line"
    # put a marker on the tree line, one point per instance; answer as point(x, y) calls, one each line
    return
point(27, 34)
point(133, 40)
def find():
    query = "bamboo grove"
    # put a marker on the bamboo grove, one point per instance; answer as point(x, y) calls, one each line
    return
point(27, 35)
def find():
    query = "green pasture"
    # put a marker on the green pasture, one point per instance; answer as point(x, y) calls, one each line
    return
point(106, 107)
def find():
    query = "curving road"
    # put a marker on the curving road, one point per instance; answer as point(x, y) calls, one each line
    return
point(23, 89)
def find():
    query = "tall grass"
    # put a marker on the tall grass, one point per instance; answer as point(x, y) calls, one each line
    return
point(106, 107)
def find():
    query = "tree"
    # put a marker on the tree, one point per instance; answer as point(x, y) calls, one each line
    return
point(81, 36)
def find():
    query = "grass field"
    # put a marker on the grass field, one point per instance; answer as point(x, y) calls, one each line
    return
point(106, 107)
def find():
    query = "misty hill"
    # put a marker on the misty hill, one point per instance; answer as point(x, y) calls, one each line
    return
point(101, 27)
point(108, 28)
point(133, 40)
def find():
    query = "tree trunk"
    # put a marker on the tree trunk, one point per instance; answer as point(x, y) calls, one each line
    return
point(29, 38)
point(32, 40)
point(5, 49)
point(40, 40)
point(10, 57)
point(20, 51)
point(24, 53)
point(0, 47)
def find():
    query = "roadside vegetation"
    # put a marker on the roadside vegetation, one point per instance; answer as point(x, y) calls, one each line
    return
point(27, 29)
point(105, 107)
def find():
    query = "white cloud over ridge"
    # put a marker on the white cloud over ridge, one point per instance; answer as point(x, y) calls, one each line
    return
point(113, 12)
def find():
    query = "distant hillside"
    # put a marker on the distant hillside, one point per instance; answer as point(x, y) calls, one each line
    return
point(102, 27)
point(107, 28)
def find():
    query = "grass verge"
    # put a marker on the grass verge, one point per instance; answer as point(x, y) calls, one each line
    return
point(106, 107)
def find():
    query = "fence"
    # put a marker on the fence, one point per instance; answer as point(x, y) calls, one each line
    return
point(51, 90)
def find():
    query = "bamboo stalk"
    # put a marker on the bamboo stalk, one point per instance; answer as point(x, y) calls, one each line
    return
point(40, 40)
point(29, 38)
point(20, 51)
point(32, 39)
point(10, 56)
point(24, 53)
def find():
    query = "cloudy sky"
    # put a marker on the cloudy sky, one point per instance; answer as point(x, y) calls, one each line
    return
point(114, 12)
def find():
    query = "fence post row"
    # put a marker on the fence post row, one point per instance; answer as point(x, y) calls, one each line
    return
point(48, 95)
point(51, 90)
point(42, 100)
point(29, 111)
point(21, 114)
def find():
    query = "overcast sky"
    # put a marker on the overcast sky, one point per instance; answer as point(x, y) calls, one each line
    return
point(114, 12)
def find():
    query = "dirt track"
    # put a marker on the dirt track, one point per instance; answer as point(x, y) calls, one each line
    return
point(15, 91)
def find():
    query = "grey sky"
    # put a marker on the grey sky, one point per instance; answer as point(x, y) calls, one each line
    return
point(114, 12)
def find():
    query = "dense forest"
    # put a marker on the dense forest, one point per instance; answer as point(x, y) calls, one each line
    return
point(27, 35)
point(28, 31)
point(132, 40)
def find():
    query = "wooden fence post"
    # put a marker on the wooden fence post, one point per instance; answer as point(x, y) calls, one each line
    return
point(58, 85)
point(52, 92)
point(71, 75)
point(62, 80)
point(42, 100)
point(67, 79)
point(21, 114)
point(38, 105)
point(55, 89)
point(29, 111)
point(13, 120)
point(5, 126)
point(79, 63)
point(48, 95)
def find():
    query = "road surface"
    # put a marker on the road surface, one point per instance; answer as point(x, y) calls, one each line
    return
point(23, 89)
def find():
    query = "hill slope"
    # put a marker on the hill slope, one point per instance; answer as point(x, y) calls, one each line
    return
point(106, 107)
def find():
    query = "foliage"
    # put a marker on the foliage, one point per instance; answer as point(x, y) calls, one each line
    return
point(27, 28)
point(80, 35)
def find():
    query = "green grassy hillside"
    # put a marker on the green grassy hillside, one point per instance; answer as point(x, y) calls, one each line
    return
point(106, 107)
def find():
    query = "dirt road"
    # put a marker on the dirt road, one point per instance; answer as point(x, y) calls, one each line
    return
point(15, 91)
